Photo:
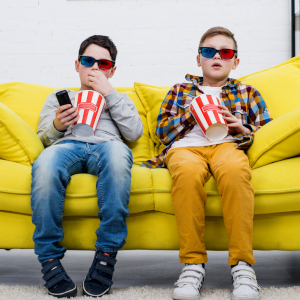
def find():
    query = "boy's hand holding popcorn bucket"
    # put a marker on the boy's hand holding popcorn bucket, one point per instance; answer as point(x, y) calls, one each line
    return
point(90, 105)
point(205, 109)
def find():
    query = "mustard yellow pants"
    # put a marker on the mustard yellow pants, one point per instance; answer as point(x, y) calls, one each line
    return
point(190, 168)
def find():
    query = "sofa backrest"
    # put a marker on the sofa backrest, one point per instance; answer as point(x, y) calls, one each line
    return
point(26, 100)
point(279, 86)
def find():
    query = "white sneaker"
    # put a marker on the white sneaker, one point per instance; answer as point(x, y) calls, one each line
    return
point(245, 286)
point(189, 283)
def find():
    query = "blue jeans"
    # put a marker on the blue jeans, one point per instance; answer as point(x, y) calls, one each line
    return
point(111, 162)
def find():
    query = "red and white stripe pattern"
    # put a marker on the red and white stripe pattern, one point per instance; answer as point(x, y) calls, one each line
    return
point(90, 105)
point(205, 110)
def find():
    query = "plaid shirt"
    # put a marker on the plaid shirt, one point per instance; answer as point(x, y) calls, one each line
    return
point(175, 119)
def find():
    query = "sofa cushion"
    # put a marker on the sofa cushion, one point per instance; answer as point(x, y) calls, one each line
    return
point(279, 86)
point(269, 190)
point(143, 148)
point(277, 140)
point(25, 99)
point(19, 143)
point(81, 196)
point(151, 190)
point(151, 97)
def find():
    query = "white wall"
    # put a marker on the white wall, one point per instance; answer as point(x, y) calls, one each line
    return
point(157, 40)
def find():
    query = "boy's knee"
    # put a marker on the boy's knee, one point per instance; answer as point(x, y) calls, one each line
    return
point(187, 169)
point(120, 155)
point(236, 170)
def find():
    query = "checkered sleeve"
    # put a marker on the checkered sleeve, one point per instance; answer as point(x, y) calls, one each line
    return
point(258, 114)
point(173, 120)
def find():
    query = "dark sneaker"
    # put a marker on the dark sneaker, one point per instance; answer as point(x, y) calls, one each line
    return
point(58, 283)
point(99, 278)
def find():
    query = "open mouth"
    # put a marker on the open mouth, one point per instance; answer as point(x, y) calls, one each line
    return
point(216, 65)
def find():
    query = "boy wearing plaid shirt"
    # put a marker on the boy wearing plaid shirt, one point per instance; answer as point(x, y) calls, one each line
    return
point(191, 159)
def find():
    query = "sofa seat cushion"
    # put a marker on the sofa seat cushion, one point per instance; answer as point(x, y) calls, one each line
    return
point(151, 190)
point(81, 198)
point(277, 187)
point(270, 183)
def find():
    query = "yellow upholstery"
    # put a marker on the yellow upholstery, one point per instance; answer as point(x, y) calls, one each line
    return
point(156, 231)
point(19, 143)
point(151, 97)
point(276, 140)
point(279, 86)
point(144, 148)
point(274, 157)
point(151, 190)
point(25, 99)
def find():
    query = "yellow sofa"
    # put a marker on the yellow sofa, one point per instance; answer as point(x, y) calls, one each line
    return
point(274, 157)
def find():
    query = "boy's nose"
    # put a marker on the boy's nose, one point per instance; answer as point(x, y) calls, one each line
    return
point(217, 55)
point(95, 66)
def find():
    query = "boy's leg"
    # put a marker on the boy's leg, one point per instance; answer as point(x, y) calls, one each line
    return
point(232, 171)
point(111, 162)
point(189, 172)
point(51, 173)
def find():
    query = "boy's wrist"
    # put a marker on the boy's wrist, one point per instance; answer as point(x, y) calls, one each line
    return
point(111, 99)
point(108, 90)
point(246, 130)
point(54, 132)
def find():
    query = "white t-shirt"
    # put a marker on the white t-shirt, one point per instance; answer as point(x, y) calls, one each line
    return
point(196, 137)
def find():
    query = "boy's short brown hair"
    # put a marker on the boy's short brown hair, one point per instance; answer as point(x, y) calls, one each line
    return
point(215, 31)
point(102, 41)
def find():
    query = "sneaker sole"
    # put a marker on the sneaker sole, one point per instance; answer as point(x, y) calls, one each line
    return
point(189, 298)
point(68, 294)
point(85, 292)
point(245, 298)
point(186, 298)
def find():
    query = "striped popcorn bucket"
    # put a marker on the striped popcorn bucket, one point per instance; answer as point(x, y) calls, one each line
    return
point(90, 105)
point(205, 109)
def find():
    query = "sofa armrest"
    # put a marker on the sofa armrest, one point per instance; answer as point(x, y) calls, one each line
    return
point(277, 140)
point(18, 142)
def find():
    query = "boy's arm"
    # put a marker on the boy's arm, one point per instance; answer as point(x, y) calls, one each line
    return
point(124, 113)
point(257, 115)
point(121, 107)
point(173, 119)
point(46, 131)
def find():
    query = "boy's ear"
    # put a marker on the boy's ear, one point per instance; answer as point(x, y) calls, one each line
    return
point(198, 60)
point(77, 65)
point(112, 72)
point(236, 63)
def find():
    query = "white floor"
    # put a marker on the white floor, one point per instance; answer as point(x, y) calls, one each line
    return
point(152, 268)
